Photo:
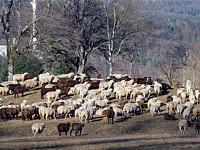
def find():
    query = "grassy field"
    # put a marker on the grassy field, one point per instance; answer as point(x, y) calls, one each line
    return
point(136, 132)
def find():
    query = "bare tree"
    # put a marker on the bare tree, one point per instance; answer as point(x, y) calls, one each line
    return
point(122, 25)
point(14, 35)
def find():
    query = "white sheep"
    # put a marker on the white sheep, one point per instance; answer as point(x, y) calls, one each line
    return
point(118, 112)
point(120, 84)
point(196, 93)
point(23, 104)
point(30, 83)
point(4, 90)
point(105, 85)
point(38, 128)
point(154, 109)
point(65, 110)
point(106, 93)
point(150, 102)
point(52, 94)
point(191, 96)
point(146, 91)
point(101, 103)
point(85, 114)
point(49, 86)
point(6, 83)
point(46, 112)
point(157, 87)
point(130, 109)
point(176, 99)
point(78, 113)
point(171, 106)
point(19, 76)
point(179, 90)
point(187, 113)
point(183, 96)
point(188, 87)
point(183, 125)
point(45, 78)
point(180, 108)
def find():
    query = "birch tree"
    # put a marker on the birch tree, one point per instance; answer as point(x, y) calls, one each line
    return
point(15, 29)
point(122, 24)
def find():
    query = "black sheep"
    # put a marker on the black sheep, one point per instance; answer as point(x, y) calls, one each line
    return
point(77, 127)
point(63, 127)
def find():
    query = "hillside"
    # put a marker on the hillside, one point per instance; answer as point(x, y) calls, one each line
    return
point(138, 132)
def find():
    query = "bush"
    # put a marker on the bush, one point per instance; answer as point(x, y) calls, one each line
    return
point(59, 68)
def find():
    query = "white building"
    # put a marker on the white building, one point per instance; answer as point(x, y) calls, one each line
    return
point(3, 50)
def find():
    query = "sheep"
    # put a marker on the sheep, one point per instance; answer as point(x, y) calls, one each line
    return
point(171, 106)
point(118, 112)
point(4, 90)
point(197, 95)
point(150, 102)
point(23, 104)
point(44, 78)
point(183, 125)
point(47, 112)
point(157, 87)
point(191, 96)
point(180, 108)
point(176, 99)
point(186, 113)
point(179, 90)
point(130, 108)
point(53, 94)
point(154, 109)
point(19, 76)
point(197, 125)
point(65, 110)
point(120, 93)
point(38, 128)
point(63, 127)
point(105, 85)
point(77, 127)
point(101, 103)
point(110, 115)
point(146, 91)
point(6, 83)
point(183, 96)
point(120, 84)
point(85, 114)
point(92, 111)
point(196, 112)
point(30, 83)
point(78, 113)
point(105, 94)
point(188, 87)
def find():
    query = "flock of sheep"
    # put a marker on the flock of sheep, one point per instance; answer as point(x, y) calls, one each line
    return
point(132, 96)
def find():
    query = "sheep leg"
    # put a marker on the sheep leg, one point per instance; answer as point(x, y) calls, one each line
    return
point(108, 120)
point(59, 133)
point(80, 132)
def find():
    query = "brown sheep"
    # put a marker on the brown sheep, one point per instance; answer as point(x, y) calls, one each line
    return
point(110, 115)
point(63, 127)
point(197, 125)
point(27, 114)
point(19, 89)
point(77, 127)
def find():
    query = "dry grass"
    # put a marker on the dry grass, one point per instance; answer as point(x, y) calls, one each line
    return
point(136, 132)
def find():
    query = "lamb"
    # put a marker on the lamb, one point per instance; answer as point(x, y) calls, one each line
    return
point(176, 99)
point(110, 115)
point(38, 128)
point(77, 127)
point(130, 108)
point(183, 96)
point(179, 90)
point(197, 125)
point(183, 125)
point(63, 127)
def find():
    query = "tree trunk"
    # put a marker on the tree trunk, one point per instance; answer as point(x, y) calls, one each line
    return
point(184, 75)
point(10, 69)
point(131, 69)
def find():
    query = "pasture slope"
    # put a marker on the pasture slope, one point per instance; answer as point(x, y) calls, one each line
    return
point(136, 132)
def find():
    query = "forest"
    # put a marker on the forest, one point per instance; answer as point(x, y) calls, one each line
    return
point(157, 38)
